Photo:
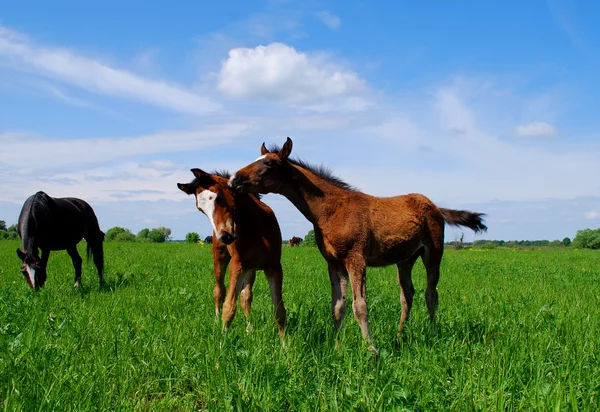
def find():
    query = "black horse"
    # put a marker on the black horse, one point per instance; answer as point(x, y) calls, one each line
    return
point(49, 223)
point(208, 239)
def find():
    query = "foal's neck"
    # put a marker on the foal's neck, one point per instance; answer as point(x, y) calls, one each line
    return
point(311, 194)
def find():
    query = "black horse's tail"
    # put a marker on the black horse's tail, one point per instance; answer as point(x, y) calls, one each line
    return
point(472, 220)
point(95, 247)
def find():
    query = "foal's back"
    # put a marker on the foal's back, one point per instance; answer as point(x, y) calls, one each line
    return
point(391, 228)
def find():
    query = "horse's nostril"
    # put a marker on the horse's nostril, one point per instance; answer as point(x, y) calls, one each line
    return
point(228, 238)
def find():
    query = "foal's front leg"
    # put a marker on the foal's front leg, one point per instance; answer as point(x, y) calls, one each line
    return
point(237, 279)
point(339, 288)
point(76, 258)
point(246, 297)
point(221, 258)
point(275, 279)
point(357, 271)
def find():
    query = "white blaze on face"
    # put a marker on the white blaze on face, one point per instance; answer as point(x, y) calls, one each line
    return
point(261, 158)
point(205, 201)
point(230, 180)
point(31, 274)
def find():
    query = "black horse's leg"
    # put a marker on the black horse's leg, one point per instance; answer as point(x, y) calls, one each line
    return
point(44, 264)
point(76, 258)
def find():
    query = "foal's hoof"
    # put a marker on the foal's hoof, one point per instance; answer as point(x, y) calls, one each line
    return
point(248, 328)
point(77, 285)
point(373, 350)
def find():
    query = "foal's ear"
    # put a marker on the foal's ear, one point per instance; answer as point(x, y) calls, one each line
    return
point(20, 254)
point(186, 187)
point(286, 149)
point(263, 149)
point(199, 173)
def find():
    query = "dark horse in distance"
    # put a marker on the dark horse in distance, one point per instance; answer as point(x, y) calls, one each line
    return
point(49, 223)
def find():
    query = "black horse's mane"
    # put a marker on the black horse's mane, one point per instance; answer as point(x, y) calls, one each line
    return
point(36, 218)
point(322, 171)
point(40, 207)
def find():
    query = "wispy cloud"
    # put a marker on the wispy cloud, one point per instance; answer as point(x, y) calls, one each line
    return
point(52, 154)
point(536, 129)
point(20, 53)
point(331, 20)
point(592, 214)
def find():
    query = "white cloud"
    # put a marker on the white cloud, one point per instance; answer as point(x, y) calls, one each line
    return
point(18, 52)
point(536, 129)
point(592, 214)
point(278, 72)
point(332, 21)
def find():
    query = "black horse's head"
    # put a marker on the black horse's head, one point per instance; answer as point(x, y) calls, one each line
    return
point(32, 269)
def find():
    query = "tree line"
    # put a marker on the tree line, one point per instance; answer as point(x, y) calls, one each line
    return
point(584, 239)
point(121, 234)
point(8, 232)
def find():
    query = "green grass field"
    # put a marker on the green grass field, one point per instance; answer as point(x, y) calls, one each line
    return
point(518, 330)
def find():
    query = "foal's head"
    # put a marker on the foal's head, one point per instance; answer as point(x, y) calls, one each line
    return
point(32, 269)
point(265, 174)
point(215, 200)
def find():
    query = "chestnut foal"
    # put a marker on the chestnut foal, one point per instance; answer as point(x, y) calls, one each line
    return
point(354, 230)
point(246, 236)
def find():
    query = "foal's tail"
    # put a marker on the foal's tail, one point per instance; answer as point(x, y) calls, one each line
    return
point(472, 220)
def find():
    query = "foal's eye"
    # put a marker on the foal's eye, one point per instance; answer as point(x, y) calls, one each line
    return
point(219, 198)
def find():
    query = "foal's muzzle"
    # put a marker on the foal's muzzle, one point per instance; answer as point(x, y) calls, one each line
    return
point(227, 238)
point(235, 182)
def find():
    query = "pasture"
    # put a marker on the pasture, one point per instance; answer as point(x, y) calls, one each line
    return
point(518, 330)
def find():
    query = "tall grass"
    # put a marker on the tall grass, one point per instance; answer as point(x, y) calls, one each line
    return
point(518, 330)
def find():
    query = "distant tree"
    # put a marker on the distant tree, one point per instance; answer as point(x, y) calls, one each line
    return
point(458, 243)
point(566, 242)
point(143, 235)
point(556, 243)
point(119, 234)
point(3, 234)
point(165, 231)
point(587, 239)
point(12, 232)
point(309, 239)
point(2, 225)
point(157, 236)
point(192, 237)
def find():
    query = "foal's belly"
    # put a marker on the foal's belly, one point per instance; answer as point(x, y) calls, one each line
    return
point(390, 254)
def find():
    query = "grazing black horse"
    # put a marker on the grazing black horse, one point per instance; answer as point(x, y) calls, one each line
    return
point(208, 239)
point(49, 223)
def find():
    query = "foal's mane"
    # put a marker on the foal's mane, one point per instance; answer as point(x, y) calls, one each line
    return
point(324, 172)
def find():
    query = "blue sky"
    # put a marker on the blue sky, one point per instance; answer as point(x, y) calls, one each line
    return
point(484, 106)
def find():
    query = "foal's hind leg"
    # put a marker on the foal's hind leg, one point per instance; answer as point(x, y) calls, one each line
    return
point(76, 258)
point(246, 297)
point(407, 289)
point(275, 278)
